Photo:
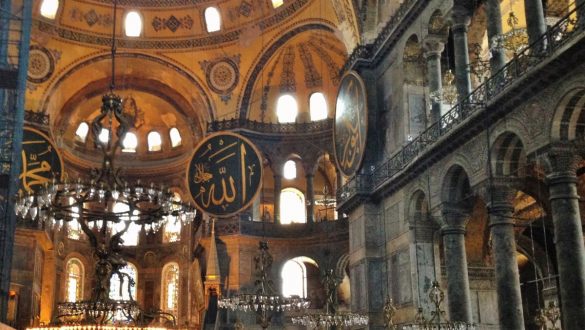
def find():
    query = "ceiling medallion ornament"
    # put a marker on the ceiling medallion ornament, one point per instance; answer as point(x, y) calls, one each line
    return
point(225, 174)
point(351, 124)
point(222, 75)
point(41, 64)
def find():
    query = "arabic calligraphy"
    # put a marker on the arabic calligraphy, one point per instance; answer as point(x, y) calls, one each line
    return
point(350, 124)
point(40, 161)
point(223, 176)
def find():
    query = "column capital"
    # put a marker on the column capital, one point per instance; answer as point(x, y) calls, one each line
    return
point(560, 161)
point(454, 218)
point(433, 46)
point(460, 19)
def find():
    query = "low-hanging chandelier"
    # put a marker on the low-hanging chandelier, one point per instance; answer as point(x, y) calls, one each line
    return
point(265, 302)
point(105, 207)
point(332, 318)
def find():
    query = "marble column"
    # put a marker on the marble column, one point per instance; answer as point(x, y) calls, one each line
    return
point(568, 236)
point(433, 47)
point(460, 21)
point(310, 198)
point(504, 250)
point(458, 295)
point(494, 31)
point(535, 22)
point(277, 189)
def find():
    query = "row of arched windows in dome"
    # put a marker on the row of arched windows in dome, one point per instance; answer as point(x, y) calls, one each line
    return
point(120, 290)
point(133, 22)
point(130, 141)
point(287, 108)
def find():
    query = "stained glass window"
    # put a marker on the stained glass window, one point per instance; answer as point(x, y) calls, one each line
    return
point(75, 274)
point(170, 285)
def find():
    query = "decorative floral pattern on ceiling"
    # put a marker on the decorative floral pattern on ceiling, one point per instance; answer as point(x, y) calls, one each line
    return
point(222, 75)
point(172, 23)
point(91, 17)
point(41, 64)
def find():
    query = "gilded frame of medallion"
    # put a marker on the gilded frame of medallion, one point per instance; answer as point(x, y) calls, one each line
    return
point(261, 180)
point(363, 144)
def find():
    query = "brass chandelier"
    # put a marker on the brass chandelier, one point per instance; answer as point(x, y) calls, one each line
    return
point(101, 205)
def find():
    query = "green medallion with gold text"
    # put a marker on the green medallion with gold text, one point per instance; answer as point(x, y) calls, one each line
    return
point(351, 124)
point(225, 174)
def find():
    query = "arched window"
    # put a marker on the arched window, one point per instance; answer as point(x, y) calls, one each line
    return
point(212, 19)
point(292, 206)
point(294, 277)
point(286, 109)
point(290, 170)
point(133, 24)
point(277, 3)
point(172, 229)
point(130, 142)
point(170, 288)
point(104, 136)
point(75, 277)
point(130, 237)
point(175, 136)
point(81, 132)
point(318, 106)
point(121, 290)
point(154, 141)
point(49, 8)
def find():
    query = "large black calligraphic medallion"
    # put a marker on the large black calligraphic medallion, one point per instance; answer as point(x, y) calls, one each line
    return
point(351, 124)
point(41, 163)
point(225, 174)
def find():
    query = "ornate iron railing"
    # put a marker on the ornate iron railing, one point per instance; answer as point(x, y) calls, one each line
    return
point(271, 128)
point(544, 48)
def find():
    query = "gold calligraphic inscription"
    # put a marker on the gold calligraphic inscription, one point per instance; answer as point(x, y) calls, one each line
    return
point(225, 174)
point(351, 124)
point(41, 163)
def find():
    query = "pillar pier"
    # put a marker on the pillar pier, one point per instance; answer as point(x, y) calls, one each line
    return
point(433, 48)
point(276, 202)
point(568, 236)
point(494, 30)
point(535, 22)
point(504, 250)
point(310, 198)
point(461, 19)
point(338, 184)
point(458, 294)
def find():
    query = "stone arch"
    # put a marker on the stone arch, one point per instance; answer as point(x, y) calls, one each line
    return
point(508, 156)
point(418, 207)
point(569, 118)
point(456, 188)
point(412, 61)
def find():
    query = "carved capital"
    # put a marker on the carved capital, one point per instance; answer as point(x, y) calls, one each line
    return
point(453, 218)
point(432, 47)
point(561, 160)
point(460, 19)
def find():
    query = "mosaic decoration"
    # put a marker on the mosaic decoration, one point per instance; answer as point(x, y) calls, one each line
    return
point(41, 64)
point(172, 23)
point(287, 78)
point(222, 75)
point(225, 174)
point(312, 77)
point(245, 8)
point(41, 163)
point(91, 17)
point(331, 66)
point(351, 124)
point(266, 56)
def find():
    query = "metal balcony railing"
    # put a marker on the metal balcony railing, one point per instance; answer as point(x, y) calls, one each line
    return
point(271, 128)
point(546, 47)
